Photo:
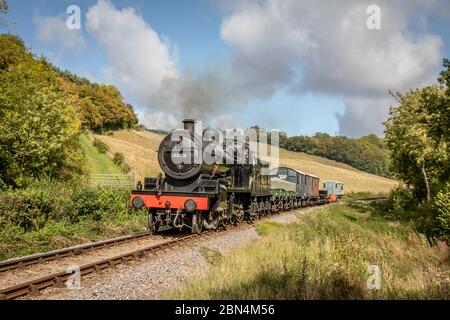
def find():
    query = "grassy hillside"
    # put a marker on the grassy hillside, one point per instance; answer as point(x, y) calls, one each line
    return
point(97, 163)
point(140, 148)
point(326, 255)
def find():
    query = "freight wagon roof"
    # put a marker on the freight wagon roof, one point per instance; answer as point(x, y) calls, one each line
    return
point(332, 181)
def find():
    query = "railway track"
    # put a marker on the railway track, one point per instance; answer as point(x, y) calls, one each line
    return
point(58, 279)
point(67, 252)
point(368, 199)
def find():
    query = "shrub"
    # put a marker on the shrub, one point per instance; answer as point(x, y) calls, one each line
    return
point(101, 146)
point(31, 208)
point(118, 159)
point(403, 201)
point(441, 207)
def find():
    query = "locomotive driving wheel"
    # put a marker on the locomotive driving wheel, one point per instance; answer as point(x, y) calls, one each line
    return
point(213, 220)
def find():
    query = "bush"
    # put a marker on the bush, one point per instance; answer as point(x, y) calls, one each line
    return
point(31, 208)
point(441, 207)
point(101, 146)
point(401, 204)
point(118, 159)
point(39, 126)
point(100, 203)
point(403, 201)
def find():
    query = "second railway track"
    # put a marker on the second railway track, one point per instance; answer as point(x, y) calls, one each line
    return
point(17, 263)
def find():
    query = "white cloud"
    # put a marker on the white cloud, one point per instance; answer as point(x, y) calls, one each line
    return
point(52, 30)
point(140, 59)
point(325, 47)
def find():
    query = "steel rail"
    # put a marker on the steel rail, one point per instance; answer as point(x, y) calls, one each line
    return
point(21, 262)
point(58, 279)
point(368, 199)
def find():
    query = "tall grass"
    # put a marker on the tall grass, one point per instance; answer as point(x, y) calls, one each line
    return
point(326, 255)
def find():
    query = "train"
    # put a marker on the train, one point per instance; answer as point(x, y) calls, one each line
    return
point(200, 195)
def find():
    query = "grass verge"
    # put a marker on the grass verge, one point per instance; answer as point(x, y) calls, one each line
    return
point(15, 242)
point(97, 163)
point(327, 255)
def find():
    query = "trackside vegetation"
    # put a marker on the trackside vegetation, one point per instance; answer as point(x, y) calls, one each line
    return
point(326, 255)
point(46, 200)
point(51, 215)
point(418, 139)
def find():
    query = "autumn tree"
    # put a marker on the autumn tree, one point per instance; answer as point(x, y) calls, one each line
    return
point(38, 127)
point(100, 107)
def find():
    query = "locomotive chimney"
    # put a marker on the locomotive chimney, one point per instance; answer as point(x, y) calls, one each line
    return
point(189, 125)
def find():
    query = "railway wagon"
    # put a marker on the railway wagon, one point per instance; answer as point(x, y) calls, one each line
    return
point(314, 193)
point(284, 194)
point(334, 189)
point(307, 185)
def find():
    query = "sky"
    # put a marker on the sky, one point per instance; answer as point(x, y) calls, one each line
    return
point(298, 66)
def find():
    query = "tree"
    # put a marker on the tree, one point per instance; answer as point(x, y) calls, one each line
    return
point(38, 127)
point(100, 107)
point(417, 157)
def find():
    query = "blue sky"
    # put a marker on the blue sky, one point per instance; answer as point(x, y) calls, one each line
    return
point(300, 82)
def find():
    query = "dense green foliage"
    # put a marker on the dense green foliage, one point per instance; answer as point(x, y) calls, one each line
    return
point(417, 135)
point(42, 110)
point(366, 153)
point(32, 207)
point(38, 127)
point(35, 215)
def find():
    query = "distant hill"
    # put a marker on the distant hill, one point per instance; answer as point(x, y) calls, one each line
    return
point(367, 153)
point(140, 151)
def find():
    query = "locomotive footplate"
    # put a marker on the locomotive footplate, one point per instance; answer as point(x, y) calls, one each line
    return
point(170, 200)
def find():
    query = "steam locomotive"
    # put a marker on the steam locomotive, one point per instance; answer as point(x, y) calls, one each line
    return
point(234, 185)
